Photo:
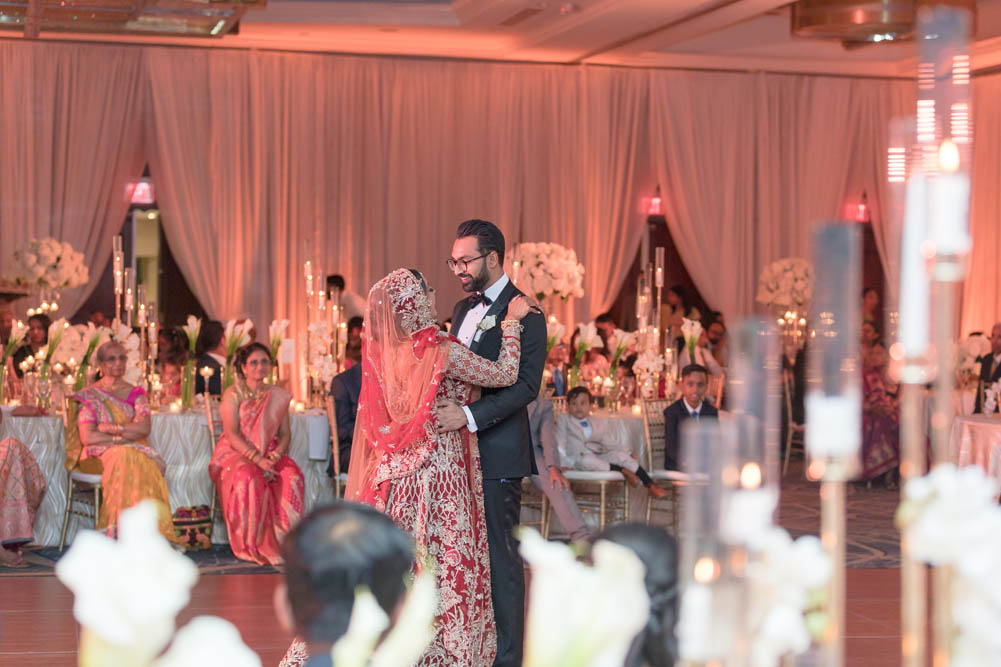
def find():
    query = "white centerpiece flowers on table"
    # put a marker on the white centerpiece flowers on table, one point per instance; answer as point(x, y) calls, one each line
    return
point(546, 270)
point(321, 362)
point(47, 263)
point(691, 331)
point(587, 339)
point(127, 594)
point(786, 283)
point(191, 330)
point(18, 332)
point(235, 335)
point(648, 367)
point(968, 355)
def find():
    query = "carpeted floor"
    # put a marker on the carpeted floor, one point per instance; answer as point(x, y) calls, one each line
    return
point(873, 540)
point(217, 560)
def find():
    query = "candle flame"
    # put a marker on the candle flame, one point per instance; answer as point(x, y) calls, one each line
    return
point(750, 476)
point(706, 570)
point(948, 156)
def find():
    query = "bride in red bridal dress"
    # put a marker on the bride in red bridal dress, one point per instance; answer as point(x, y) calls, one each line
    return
point(430, 483)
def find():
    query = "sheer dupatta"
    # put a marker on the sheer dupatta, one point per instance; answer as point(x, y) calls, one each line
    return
point(404, 361)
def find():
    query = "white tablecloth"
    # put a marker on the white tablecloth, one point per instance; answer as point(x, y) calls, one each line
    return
point(184, 443)
point(976, 440)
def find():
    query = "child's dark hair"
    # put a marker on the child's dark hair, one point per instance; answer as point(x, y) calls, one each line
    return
point(577, 391)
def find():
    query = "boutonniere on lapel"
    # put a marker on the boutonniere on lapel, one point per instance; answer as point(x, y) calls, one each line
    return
point(486, 324)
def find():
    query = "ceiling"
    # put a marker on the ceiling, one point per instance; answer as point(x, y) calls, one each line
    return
point(700, 34)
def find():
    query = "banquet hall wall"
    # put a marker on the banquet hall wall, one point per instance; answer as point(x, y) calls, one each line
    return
point(368, 163)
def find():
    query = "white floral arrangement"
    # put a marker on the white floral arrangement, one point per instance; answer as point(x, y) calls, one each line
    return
point(621, 343)
point(587, 339)
point(321, 361)
point(191, 329)
point(127, 594)
point(991, 393)
point(276, 333)
point(547, 269)
point(786, 283)
point(47, 263)
point(648, 363)
point(691, 331)
point(555, 331)
point(967, 358)
point(580, 615)
point(786, 578)
point(951, 517)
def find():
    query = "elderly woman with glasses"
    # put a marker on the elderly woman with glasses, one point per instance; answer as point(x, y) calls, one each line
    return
point(110, 439)
point(261, 488)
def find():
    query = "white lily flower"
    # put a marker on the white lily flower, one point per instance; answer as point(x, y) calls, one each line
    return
point(128, 592)
point(414, 627)
point(208, 640)
point(580, 615)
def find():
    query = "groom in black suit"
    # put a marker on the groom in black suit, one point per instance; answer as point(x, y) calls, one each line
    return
point(499, 418)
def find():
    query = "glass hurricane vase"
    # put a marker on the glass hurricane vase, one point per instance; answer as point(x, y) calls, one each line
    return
point(188, 385)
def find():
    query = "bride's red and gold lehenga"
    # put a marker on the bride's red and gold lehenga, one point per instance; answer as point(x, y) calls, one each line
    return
point(430, 483)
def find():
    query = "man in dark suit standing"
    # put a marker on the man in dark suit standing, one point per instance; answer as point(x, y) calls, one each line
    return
point(345, 388)
point(499, 418)
point(694, 380)
point(211, 354)
point(990, 367)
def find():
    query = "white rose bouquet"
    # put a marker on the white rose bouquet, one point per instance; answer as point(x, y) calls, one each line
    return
point(786, 283)
point(547, 269)
point(47, 263)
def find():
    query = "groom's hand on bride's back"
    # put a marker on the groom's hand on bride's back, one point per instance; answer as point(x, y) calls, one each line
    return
point(451, 417)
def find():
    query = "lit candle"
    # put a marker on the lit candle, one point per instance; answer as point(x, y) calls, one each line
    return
point(308, 271)
point(129, 295)
point(175, 406)
point(659, 271)
point(637, 410)
point(141, 313)
point(913, 329)
point(949, 204)
point(119, 259)
point(153, 334)
point(300, 406)
point(516, 266)
point(206, 372)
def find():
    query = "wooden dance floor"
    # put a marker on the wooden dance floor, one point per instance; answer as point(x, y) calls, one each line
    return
point(37, 626)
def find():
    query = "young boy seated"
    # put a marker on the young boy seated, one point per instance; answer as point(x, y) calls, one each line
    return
point(587, 445)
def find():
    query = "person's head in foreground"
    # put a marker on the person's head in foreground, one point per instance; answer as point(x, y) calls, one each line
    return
point(334, 550)
point(656, 645)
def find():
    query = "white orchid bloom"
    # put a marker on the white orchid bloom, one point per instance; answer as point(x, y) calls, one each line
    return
point(208, 640)
point(580, 615)
point(128, 592)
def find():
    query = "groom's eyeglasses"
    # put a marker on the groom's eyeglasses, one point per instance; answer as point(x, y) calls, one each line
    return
point(463, 264)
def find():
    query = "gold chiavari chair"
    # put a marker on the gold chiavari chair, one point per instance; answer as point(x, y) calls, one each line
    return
point(340, 478)
point(81, 488)
point(795, 433)
point(214, 506)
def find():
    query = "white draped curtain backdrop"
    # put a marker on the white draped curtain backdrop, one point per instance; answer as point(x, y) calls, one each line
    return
point(364, 164)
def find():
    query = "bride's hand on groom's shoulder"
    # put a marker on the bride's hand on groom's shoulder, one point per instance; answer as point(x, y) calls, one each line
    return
point(520, 307)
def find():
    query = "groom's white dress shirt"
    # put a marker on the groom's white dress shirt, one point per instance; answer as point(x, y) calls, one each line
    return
point(467, 330)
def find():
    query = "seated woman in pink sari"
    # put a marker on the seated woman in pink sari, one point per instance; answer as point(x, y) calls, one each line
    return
point(113, 423)
point(880, 412)
point(22, 487)
point(261, 488)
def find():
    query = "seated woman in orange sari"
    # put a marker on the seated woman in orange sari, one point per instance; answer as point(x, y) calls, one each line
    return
point(261, 488)
point(113, 423)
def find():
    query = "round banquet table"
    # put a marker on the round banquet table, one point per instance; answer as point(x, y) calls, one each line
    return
point(976, 440)
point(182, 439)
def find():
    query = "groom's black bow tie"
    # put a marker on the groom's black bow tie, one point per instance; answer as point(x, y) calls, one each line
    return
point(478, 298)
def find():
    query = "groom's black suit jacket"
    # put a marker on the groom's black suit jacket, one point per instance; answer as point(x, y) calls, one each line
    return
point(501, 414)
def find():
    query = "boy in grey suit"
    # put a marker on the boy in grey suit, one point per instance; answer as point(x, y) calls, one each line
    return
point(550, 479)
